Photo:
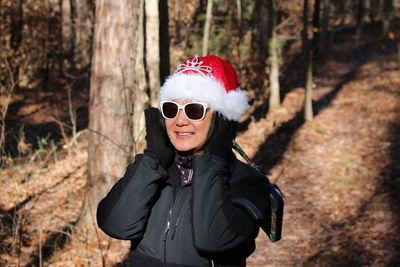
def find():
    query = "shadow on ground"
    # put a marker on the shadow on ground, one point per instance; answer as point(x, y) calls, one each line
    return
point(273, 149)
point(349, 251)
point(391, 183)
point(12, 226)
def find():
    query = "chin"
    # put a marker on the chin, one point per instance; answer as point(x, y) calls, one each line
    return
point(186, 149)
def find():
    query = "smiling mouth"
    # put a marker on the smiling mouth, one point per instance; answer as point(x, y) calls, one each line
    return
point(184, 134)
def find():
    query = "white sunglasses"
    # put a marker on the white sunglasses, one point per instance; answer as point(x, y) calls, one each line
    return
point(194, 111)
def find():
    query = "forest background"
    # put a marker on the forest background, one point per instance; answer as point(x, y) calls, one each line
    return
point(322, 77)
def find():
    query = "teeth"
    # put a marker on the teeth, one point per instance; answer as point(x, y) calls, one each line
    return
point(184, 134)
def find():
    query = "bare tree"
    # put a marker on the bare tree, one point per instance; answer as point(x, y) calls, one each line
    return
point(324, 25)
point(308, 110)
point(239, 19)
point(274, 47)
point(153, 48)
point(260, 34)
point(67, 29)
point(140, 97)
point(316, 26)
point(360, 16)
point(207, 27)
point(164, 40)
point(387, 15)
point(16, 24)
point(367, 10)
point(112, 80)
point(81, 24)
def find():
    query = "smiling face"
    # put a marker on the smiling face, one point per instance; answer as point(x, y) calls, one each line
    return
point(186, 135)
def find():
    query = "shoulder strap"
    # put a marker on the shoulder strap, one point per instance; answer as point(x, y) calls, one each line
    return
point(272, 222)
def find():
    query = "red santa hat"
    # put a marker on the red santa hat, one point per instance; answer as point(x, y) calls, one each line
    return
point(210, 80)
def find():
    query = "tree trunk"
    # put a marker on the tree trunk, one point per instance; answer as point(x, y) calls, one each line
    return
point(342, 9)
point(53, 48)
point(367, 11)
point(265, 30)
point(239, 13)
point(308, 111)
point(140, 98)
point(67, 30)
point(16, 24)
point(323, 44)
point(240, 33)
point(153, 48)
point(360, 17)
point(274, 97)
point(316, 26)
point(112, 79)
point(164, 41)
point(255, 32)
point(274, 47)
point(77, 34)
point(177, 21)
point(387, 15)
point(207, 27)
point(82, 12)
point(15, 32)
point(259, 48)
point(304, 33)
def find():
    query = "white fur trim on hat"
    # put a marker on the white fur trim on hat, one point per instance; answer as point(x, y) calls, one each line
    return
point(205, 89)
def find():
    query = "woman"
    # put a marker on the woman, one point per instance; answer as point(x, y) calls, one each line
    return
point(187, 201)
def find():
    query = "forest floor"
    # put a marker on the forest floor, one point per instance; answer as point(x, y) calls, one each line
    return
point(340, 174)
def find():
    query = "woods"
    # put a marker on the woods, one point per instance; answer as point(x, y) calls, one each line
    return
point(76, 76)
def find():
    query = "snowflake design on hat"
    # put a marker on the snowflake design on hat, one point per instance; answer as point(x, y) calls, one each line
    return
point(194, 65)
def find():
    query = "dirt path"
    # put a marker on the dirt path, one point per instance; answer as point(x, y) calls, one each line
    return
point(337, 171)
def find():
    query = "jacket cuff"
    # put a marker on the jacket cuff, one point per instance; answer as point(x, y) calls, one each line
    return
point(154, 164)
point(248, 206)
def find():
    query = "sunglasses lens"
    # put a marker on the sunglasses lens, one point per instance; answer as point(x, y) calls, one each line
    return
point(194, 111)
point(170, 110)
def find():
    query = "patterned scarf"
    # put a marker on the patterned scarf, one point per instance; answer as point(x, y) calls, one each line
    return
point(184, 164)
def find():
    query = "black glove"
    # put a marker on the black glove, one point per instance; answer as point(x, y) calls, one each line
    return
point(222, 135)
point(158, 144)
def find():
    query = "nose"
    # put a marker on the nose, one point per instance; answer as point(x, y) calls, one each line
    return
point(181, 119)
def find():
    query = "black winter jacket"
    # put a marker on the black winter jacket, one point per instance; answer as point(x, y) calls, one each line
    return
point(208, 222)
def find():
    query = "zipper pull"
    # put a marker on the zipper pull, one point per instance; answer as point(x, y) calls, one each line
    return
point(166, 231)
point(168, 225)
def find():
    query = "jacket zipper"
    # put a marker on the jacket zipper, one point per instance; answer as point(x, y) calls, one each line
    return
point(179, 214)
point(166, 233)
point(168, 226)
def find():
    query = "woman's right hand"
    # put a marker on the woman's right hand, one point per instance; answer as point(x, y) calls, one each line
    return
point(159, 146)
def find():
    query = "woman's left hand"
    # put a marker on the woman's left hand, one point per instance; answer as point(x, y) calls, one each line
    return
point(220, 142)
